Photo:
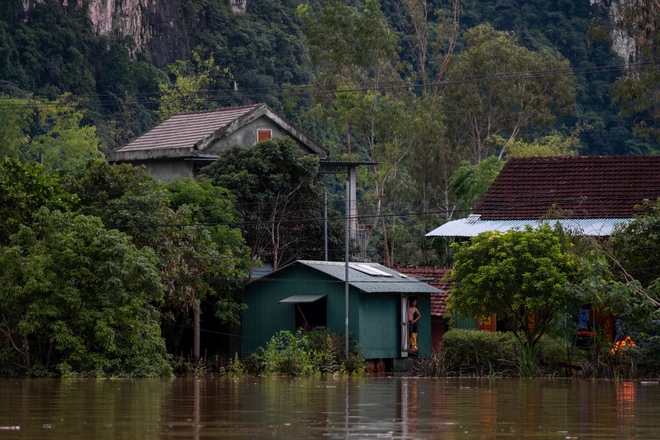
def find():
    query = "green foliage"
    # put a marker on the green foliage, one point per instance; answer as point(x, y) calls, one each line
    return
point(24, 188)
point(477, 353)
point(63, 142)
point(470, 182)
point(277, 191)
point(288, 354)
point(196, 262)
point(632, 291)
point(78, 298)
point(520, 275)
point(14, 114)
point(189, 91)
point(52, 131)
point(556, 144)
point(482, 109)
point(308, 353)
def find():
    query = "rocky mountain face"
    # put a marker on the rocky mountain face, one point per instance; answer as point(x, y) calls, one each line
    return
point(622, 44)
point(160, 28)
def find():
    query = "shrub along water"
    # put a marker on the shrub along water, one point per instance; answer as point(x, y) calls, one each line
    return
point(477, 353)
point(317, 352)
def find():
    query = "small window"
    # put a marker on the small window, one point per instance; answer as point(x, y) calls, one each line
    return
point(263, 135)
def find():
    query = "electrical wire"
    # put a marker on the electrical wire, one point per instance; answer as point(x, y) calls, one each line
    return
point(312, 89)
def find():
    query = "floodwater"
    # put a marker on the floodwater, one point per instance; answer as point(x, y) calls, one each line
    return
point(292, 408)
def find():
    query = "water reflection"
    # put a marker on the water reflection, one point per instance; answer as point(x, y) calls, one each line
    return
point(327, 408)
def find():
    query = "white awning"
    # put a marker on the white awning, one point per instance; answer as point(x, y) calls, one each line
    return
point(301, 299)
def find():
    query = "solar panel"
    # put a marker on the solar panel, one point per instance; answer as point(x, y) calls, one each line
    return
point(370, 270)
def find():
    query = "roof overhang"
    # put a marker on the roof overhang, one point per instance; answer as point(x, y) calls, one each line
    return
point(466, 227)
point(154, 154)
point(296, 299)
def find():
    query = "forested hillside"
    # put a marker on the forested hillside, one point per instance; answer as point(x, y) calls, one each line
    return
point(438, 92)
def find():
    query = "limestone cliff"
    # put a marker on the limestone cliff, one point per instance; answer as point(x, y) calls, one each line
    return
point(622, 44)
point(158, 27)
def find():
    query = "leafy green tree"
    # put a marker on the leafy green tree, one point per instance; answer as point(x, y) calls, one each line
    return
point(215, 258)
point(521, 275)
point(78, 299)
point(191, 255)
point(470, 182)
point(14, 114)
point(24, 188)
point(189, 91)
point(65, 142)
point(278, 196)
point(555, 144)
point(532, 88)
point(625, 277)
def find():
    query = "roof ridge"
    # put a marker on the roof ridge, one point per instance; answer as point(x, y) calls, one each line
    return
point(219, 109)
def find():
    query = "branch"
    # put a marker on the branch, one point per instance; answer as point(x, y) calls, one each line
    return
point(630, 280)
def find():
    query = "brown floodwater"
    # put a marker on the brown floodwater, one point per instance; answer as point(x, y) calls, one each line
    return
point(328, 408)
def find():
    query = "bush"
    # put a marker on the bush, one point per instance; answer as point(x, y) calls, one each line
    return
point(306, 353)
point(477, 353)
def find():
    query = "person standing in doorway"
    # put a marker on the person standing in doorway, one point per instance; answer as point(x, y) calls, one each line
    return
point(413, 317)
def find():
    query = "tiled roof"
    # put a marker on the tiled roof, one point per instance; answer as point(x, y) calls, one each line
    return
point(184, 130)
point(581, 187)
point(433, 276)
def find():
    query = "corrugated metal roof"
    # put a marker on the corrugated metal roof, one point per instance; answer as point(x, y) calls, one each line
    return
point(394, 282)
point(594, 227)
point(184, 130)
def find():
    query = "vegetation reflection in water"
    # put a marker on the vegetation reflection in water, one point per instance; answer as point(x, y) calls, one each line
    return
point(315, 408)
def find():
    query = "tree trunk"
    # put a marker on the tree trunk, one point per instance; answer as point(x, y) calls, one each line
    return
point(197, 334)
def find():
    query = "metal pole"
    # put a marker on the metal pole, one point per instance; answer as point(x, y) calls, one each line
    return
point(325, 224)
point(346, 245)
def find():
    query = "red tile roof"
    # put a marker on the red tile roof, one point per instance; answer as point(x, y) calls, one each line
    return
point(184, 130)
point(581, 187)
point(433, 276)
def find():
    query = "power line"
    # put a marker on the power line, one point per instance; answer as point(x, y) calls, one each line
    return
point(312, 89)
point(371, 215)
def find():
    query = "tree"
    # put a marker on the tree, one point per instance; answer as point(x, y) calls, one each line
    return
point(215, 259)
point(522, 276)
point(555, 144)
point(278, 196)
point(24, 188)
point(188, 91)
point(191, 255)
point(63, 141)
point(496, 87)
point(14, 114)
point(78, 299)
point(470, 182)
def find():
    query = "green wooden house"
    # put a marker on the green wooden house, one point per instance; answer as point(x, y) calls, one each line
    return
point(311, 294)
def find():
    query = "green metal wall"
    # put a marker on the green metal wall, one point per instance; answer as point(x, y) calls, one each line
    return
point(465, 323)
point(265, 317)
point(380, 325)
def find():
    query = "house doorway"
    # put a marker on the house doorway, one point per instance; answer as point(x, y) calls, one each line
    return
point(405, 341)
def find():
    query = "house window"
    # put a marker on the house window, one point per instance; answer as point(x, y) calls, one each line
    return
point(263, 135)
point(313, 315)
